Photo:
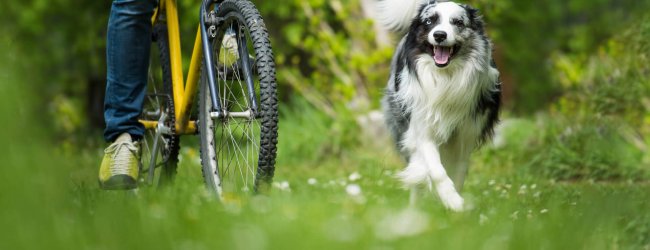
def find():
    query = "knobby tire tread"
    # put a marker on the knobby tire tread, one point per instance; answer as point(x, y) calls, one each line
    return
point(268, 107)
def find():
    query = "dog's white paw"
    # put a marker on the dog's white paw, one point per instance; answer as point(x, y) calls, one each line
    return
point(415, 173)
point(453, 202)
point(450, 197)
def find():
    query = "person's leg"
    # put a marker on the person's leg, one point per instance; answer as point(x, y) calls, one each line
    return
point(127, 57)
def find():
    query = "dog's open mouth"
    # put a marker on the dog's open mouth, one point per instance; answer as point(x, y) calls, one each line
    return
point(443, 54)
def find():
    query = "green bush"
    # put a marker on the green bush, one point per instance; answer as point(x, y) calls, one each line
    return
point(586, 151)
point(309, 137)
point(600, 128)
point(327, 52)
point(527, 33)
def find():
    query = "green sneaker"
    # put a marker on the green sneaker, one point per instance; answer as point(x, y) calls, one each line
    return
point(119, 169)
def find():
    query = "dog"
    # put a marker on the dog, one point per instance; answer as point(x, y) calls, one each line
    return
point(443, 96)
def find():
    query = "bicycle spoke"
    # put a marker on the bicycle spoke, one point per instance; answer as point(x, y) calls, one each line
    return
point(234, 136)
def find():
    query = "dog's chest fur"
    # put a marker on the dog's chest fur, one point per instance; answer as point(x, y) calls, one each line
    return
point(440, 101)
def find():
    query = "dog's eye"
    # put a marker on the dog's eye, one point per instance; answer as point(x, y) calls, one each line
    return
point(458, 22)
point(432, 19)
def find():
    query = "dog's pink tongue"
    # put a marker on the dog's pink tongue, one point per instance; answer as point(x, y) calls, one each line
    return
point(442, 54)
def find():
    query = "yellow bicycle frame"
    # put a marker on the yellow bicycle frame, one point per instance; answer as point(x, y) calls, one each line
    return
point(184, 92)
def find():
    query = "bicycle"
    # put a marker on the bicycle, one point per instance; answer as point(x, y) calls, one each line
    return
point(237, 112)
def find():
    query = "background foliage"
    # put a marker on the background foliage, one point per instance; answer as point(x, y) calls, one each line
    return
point(327, 49)
point(576, 127)
point(578, 66)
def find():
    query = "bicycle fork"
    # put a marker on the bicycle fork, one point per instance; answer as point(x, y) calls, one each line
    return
point(210, 21)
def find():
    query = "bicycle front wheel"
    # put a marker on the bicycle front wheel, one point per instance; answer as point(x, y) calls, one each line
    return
point(238, 142)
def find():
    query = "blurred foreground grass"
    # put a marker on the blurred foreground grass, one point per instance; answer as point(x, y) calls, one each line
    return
point(50, 201)
point(326, 196)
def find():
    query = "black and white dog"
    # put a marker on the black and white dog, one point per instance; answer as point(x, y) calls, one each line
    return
point(443, 95)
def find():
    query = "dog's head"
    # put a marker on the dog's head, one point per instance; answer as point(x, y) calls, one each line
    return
point(445, 30)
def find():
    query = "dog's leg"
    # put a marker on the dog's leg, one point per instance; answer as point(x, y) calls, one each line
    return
point(438, 176)
point(425, 166)
point(414, 175)
point(462, 166)
point(455, 159)
point(462, 149)
point(414, 196)
point(449, 156)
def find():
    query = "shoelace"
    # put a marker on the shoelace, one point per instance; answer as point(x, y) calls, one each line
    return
point(230, 43)
point(121, 154)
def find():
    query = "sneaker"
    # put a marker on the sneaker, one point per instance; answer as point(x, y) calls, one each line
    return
point(119, 169)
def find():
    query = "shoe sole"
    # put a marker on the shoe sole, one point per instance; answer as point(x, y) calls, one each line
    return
point(119, 182)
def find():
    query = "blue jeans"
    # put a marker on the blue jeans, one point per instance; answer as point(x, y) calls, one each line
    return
point(127, 58)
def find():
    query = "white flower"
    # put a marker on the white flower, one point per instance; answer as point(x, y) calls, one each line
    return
point(522, 190)
point(515, 215)
point(312, 181)
point(354, 176)
point(482, 219)
point(353, 190)
point(283, 185)
point(543, 211)
point(492, 182)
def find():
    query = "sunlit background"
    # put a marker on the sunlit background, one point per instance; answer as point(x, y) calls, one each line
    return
point(569, 167)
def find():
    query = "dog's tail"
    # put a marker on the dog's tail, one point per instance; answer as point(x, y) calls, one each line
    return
point(398, 14)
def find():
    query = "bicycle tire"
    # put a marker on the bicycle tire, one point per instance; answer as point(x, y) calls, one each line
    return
point(160, 95)
point(216, 174)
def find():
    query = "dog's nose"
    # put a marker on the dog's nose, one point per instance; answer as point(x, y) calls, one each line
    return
point(439, 36)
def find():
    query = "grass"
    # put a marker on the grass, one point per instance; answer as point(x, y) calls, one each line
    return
point(349, 200)
point(327, 197)
point(54, 211)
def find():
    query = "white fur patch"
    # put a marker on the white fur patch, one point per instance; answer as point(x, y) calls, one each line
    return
point(446, 10)
point(416, 172)
point(398, 14)
point(449, 196)
point(441, 99)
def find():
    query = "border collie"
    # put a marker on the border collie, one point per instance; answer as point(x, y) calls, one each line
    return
point(443, 96)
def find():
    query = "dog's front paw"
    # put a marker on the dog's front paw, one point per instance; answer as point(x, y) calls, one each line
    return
point(453, 202)
point(450, 197)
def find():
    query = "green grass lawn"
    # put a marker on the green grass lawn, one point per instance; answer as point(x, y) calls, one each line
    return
point(347, 202)
point(325, 198)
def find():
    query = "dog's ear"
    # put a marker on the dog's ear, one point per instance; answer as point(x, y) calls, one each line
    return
point(430, 2)
point(475, 19)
